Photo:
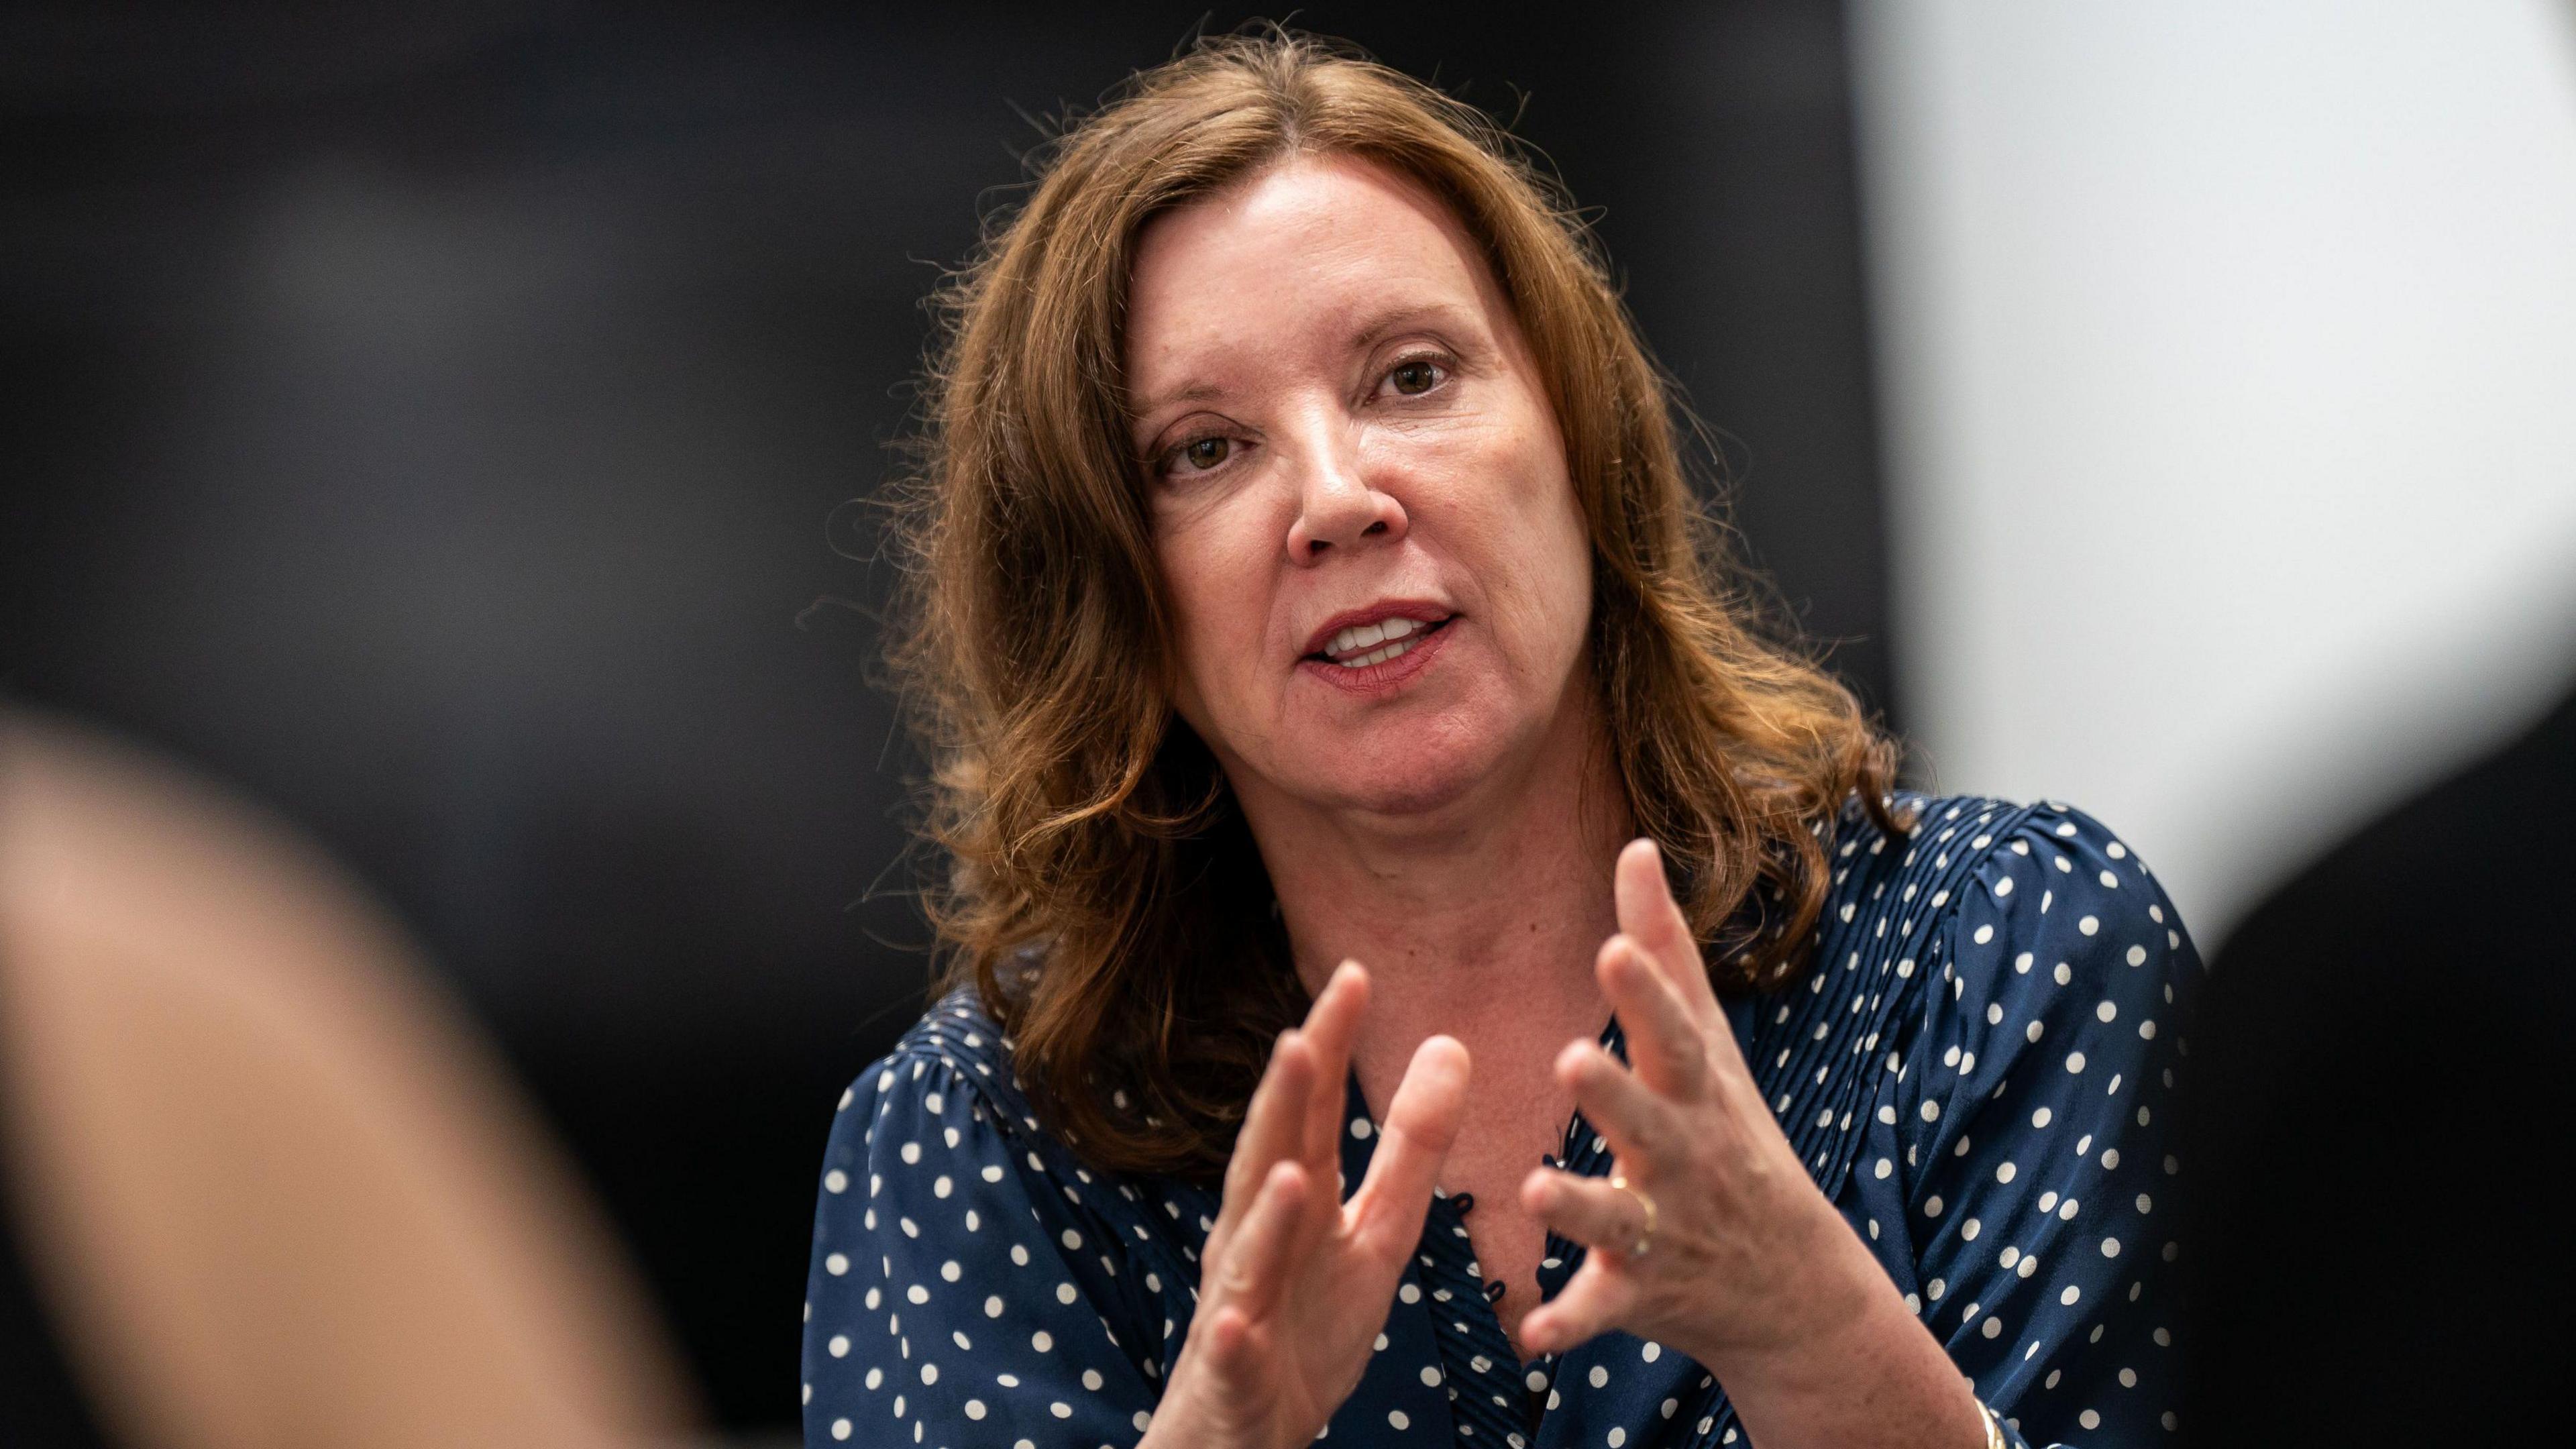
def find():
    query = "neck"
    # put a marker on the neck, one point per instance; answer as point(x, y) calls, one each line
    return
point(1479, 919)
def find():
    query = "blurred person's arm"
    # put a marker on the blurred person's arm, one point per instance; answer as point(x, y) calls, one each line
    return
point(276, 1191)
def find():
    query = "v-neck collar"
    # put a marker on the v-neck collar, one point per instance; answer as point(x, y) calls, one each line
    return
point(1490, 1388)
point(1493, 1395)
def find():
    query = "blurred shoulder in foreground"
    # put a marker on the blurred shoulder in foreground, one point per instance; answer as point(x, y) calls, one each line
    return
point(2382, 1128)
point(272, 1188)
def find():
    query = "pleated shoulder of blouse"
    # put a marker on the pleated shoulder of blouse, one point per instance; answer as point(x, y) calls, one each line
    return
point(1162, 1219)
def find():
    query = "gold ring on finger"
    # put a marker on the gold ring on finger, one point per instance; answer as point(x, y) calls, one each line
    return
point(1646, 1234)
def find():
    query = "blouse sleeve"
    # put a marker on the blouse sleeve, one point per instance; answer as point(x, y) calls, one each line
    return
point(2035, 1112)
point(955, 1298)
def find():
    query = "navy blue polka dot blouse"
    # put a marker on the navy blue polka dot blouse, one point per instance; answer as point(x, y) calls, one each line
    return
point(1979, 1070)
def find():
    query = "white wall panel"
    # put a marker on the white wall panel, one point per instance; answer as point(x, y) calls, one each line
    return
point(2228, 354)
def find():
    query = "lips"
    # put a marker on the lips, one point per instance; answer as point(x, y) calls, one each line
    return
point(1357, 633)
point(1383, 671)
point(1362, 645)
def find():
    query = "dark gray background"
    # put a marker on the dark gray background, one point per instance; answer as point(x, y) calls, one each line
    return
point(440, 425)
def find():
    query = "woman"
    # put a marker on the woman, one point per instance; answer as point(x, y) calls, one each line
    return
point(1311, 606)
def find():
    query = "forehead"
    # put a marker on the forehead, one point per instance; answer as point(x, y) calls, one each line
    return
point(1305, 251)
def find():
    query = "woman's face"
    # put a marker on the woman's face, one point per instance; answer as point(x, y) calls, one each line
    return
point(1359, 495)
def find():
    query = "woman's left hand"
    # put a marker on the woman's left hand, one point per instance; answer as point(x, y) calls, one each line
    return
point(1748, 1268)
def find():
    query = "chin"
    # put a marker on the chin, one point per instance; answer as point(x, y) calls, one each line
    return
point(1414, 776)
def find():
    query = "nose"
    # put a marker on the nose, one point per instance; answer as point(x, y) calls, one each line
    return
point(1338, 505)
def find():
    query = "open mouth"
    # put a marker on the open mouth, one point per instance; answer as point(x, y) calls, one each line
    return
point(1366, 644)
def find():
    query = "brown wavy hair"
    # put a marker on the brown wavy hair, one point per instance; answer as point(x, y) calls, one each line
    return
point(1103, 894)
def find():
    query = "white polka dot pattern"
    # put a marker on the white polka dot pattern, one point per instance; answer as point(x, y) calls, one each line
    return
point(1977, 1068)
point(965, 1307)
point(2045, 1174)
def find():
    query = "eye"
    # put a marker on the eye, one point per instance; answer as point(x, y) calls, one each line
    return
point(1415, 376)
point(1199, 454)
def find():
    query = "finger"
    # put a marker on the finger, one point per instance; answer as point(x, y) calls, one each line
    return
point(1331, 1026)
point(1595, 1301)
point(1602, 1293)
point(1275, 1119)
point(1231, 1350)
point(1260, 1255)
point(1605, 1219)
point(1643, 1127)
point(1665, 1041)
point(1649, 914)
point(1421, 1123)
point(1272, 1125)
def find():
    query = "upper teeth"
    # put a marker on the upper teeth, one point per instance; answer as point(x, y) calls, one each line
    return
point(1373, 643)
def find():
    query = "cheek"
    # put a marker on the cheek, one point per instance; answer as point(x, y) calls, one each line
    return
point(1560, 551)
point(1537, 523)
point(1211, 560)
point(1570, 545)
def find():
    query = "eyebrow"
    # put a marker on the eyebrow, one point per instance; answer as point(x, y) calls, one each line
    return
point(1395, 319)
point(1369, 333)
point(1195, 392)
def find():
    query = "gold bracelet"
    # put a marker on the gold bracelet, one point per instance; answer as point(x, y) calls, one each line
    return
point(1994, 1430)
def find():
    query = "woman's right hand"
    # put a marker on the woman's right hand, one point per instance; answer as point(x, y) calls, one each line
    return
point(1294, 1282)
